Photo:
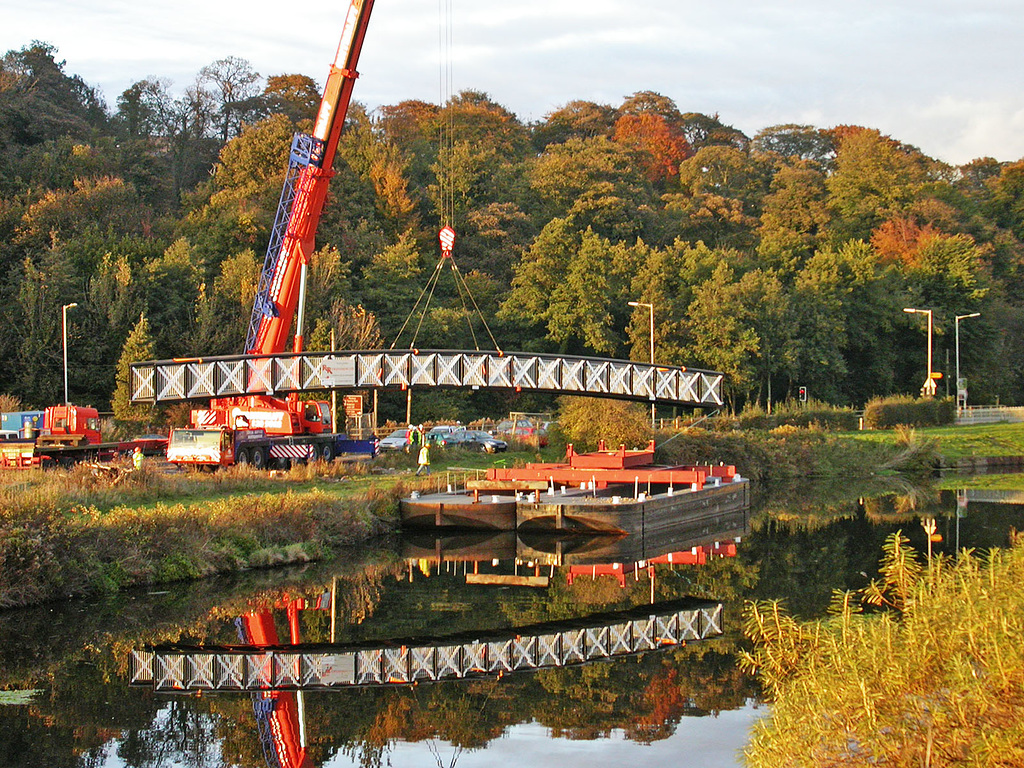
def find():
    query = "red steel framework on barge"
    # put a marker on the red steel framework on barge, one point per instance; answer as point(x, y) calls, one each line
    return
point(607, 491)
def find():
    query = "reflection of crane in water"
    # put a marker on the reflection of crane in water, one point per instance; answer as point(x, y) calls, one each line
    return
point(280, 715)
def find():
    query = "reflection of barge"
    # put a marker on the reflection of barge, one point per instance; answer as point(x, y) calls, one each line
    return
point(603, 492)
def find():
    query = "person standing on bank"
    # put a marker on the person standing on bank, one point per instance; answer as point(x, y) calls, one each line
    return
point(424, 459)
point(137, 458)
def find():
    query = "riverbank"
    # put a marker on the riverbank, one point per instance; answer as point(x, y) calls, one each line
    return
point(58, 542)
point(69, 533)
point(786, 453)
point(78, 532)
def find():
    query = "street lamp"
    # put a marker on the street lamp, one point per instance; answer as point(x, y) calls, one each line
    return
point(929, 384)
point(961, 400)
point(64, 312)
point(651, 308)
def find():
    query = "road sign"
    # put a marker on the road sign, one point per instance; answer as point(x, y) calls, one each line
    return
point(353, 405)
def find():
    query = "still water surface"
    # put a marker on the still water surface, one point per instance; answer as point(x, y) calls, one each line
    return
point(66, 668)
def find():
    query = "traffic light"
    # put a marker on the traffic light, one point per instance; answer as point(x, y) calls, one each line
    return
point(803, 394)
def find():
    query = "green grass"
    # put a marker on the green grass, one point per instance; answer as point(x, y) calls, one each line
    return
point(954, 443)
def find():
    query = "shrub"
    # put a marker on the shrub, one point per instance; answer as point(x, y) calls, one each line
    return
point(887, 412)
point(812, 413)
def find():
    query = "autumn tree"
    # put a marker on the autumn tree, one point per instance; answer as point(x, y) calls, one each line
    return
point(660, 144)
point(297, 97)
point(799, 143)
point(577, 119)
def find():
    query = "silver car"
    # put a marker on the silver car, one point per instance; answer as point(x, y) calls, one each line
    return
point(396, 441)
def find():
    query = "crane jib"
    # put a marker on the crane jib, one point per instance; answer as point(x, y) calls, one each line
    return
point(279, 291)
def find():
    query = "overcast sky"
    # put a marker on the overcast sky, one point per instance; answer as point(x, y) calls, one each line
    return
point(944, 76)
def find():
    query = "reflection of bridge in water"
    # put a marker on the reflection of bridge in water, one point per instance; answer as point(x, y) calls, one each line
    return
point(172, 380)
point(319, 667)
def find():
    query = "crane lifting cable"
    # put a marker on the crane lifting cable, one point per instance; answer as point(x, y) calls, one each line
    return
point(446, 200)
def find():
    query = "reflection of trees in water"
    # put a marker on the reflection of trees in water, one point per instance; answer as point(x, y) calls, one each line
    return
point(87, 704)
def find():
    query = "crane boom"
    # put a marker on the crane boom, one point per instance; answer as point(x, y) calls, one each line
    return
point(281, 290)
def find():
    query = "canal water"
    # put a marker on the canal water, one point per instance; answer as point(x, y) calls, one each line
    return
point(66, 671)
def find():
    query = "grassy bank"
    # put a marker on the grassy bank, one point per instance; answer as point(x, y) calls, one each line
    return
point(935, 678)
point(951, 444)
point(80, 531)
point(52, 547)
point(788, 452)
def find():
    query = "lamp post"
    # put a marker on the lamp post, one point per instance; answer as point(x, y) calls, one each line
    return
point(649, 306)
point(961, 399)
point(64, 312)
point(929, 384)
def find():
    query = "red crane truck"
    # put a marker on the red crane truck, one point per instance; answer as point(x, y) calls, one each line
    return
point(262, 429)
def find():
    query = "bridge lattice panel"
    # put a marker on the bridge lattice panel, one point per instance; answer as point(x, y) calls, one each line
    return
point(176, 380)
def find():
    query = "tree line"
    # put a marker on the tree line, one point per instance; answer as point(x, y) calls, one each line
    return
point(784, 260)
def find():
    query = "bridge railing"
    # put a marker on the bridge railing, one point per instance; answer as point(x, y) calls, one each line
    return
point(199, 378)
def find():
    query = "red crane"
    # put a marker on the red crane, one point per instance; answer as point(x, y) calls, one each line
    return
point(255, 428)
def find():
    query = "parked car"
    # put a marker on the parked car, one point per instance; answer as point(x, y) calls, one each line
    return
point(475, 440)
point(396, 441)
point(437, 435)
point(524, 430)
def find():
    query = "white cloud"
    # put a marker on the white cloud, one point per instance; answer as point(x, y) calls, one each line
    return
point(939, 74)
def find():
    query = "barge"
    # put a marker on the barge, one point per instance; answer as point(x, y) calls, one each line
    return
point(618, 492)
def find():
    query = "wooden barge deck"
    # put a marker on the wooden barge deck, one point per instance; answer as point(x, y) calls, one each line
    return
point(618, 492)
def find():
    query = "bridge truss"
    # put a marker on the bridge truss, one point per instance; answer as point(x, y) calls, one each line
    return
point(177, 380)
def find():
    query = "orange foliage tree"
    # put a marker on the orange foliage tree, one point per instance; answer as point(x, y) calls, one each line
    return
point(662, 144)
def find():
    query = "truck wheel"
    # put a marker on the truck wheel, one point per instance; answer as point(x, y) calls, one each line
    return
point(327, 453)
point(243, 457)
point(259, 458)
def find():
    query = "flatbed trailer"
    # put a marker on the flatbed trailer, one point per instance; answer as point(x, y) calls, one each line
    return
point(32, 453)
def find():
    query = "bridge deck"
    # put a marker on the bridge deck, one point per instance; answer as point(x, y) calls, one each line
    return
point(176, 380)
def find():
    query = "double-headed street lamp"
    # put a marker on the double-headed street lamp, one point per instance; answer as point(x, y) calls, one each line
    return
point(64, 312)
point(929, 384)
point(651, 308)
point(961, 385)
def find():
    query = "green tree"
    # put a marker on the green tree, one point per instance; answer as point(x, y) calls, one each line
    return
point(137, 348)
point(721, 190)
point(584, 421)
point(793, 217)
point(593, 183)
point(875, 178)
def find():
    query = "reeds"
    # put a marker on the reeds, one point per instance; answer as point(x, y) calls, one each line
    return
point(937, 679)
